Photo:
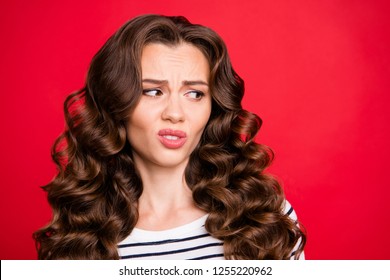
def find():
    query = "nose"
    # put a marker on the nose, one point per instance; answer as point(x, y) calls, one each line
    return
point(173, 110)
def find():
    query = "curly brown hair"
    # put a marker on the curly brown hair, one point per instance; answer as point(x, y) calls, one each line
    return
point(95, 193)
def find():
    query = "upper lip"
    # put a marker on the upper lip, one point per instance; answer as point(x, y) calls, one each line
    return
point(172, 132)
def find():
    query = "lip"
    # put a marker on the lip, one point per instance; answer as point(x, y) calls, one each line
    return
point(172, 139)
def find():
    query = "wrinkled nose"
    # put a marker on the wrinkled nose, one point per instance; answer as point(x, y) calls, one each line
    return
point(173, 110)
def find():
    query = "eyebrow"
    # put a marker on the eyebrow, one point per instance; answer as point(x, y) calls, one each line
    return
point(186, 83)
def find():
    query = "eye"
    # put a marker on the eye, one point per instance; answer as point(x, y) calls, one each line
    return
point(195, 94)
point(152, 92)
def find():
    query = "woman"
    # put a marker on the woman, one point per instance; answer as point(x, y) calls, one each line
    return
point(158, 159)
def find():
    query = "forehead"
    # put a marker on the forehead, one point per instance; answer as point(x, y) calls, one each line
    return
point(160, 59)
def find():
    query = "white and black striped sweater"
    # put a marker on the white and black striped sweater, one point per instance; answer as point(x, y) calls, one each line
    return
point(187, 242)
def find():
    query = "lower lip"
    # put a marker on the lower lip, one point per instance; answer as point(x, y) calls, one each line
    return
point(172, 144)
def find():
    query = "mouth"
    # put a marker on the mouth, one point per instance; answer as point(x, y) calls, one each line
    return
point(172, 139)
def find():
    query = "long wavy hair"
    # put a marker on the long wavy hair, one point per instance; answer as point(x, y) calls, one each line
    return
point(94, 196)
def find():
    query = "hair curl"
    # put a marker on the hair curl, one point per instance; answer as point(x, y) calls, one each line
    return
point(95, 193)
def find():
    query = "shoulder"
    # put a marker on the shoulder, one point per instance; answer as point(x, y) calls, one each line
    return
point(288, 210)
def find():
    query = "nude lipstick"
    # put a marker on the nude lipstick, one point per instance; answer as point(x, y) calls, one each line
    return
point(172, 139)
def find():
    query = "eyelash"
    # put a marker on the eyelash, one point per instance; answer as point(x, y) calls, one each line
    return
point(146, 91)
point(201, 94)
point(159, 93)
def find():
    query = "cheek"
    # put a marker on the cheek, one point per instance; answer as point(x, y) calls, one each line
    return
point(200, 120)
point(136, 126)
point(207, 113)
point(142, 116)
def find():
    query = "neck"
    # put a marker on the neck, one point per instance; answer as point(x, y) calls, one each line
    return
point(166, 200)
point(163, 187)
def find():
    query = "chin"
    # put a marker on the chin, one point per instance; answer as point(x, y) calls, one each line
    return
point(170, 160)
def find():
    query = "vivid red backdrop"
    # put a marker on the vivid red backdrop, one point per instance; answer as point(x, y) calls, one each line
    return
point(317, 72)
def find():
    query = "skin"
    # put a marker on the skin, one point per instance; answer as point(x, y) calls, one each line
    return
point(175, 96)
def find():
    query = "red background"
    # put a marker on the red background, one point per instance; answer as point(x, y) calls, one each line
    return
point(317, 72)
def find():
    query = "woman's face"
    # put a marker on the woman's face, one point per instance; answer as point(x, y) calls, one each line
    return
point(167, 123)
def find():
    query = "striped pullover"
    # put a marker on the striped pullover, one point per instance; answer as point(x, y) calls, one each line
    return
point(187, 242)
